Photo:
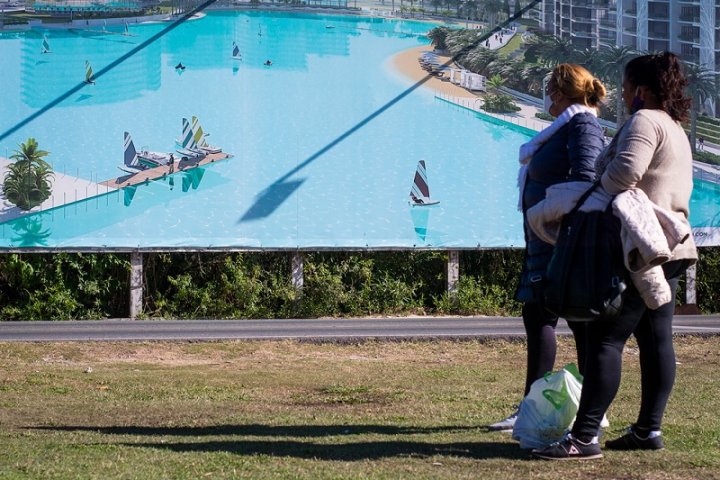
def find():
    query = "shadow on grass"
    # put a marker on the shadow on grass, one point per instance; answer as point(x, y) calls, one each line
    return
point(346, 451)
point(367, 450)
point(259, 430)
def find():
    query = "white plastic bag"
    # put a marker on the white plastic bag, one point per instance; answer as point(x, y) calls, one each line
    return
point(548, 410)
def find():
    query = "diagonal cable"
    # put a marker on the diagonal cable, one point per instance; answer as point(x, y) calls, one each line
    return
point(105, 70)
point(404, 93)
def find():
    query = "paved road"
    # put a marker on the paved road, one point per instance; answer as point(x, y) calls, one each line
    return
point(325, 330)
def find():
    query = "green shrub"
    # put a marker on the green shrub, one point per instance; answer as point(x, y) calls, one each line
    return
point(499, 103)
point(544, 116)
point(474, 297)
point(215, 285)
point(707, 157)
point(711, 120)
point(63, 286)
point(708, 280)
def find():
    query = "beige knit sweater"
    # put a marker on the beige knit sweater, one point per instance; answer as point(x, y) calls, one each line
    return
point(651, 152)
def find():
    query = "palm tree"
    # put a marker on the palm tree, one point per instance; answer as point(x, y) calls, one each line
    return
point(534, 75)
point(553, 51)
point(492, 9)
point(479, 58)
point(509, 69)
point(610, 67)
point(588, 58)
point(460, 40)
point(701, 86)
point(494, 83)
point(471, 7)
point(438, 37)
point(28, 181)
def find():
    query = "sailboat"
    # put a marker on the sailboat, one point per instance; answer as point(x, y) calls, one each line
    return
point(199, 138)
point(45, 45)
point(135, 161)
point(236, 55)
point(420, 191)
point(131, 161)
point(89, 73)
point(186, 145)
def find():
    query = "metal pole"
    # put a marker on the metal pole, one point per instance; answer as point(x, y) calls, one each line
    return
point(136, 284)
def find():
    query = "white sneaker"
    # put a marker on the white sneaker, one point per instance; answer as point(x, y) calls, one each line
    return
point(505, 425)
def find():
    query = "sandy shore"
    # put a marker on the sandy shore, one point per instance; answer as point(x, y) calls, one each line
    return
point(406, 62)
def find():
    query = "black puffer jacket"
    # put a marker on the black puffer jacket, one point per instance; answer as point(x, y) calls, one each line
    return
point(568, 155)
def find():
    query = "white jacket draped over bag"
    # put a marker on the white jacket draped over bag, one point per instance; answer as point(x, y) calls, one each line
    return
point(649, 233)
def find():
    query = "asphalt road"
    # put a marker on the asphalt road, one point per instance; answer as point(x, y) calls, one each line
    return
point(343, 329)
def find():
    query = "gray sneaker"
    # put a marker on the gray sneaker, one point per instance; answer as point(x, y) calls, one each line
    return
point(505, 425)
point(570, 448)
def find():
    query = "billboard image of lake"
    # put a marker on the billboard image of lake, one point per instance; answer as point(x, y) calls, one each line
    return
point(316, 158)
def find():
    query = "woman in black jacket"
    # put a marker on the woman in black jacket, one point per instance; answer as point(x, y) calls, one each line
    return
point(564, 151)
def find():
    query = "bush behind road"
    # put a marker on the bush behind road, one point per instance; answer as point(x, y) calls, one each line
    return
point(66, 286)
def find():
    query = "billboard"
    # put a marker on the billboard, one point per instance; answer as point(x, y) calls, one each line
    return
point(277, 130)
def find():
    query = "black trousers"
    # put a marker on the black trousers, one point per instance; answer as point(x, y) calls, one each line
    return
point(541, 342)
point(606, 340)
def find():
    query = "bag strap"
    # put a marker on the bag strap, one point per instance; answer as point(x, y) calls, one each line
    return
point(584, 197)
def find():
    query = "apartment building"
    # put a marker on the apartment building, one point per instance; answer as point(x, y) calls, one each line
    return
point(690, 28)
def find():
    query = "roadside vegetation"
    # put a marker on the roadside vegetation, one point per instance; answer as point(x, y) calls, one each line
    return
point(64, 286)
point(267, 410)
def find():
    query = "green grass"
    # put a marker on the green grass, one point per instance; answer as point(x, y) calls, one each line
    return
point(298, 410)
point(514, 43)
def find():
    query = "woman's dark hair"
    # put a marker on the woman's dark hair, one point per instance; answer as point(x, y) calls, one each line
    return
point(662, 75)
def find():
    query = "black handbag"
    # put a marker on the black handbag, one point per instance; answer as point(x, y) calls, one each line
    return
point(586, 276)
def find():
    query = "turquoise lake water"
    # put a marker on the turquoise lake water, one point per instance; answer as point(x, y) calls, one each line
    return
point(309, 169)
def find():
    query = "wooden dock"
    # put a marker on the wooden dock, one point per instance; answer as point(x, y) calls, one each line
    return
point(181, 165)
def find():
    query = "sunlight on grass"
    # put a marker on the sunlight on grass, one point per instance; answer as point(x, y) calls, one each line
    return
point(301, 410)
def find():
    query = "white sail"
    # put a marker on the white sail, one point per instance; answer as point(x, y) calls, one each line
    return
point(45, 45)
point(420, 190)
point(199, 137)
point(88, 73)
point(127, 29)
point(186, 143)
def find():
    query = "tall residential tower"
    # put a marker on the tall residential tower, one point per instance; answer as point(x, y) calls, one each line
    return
point(690, 28)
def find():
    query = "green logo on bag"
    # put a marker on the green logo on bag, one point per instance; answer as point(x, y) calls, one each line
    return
point(558, 399)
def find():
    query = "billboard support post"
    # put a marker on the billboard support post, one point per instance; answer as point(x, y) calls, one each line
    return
point(690, 293)
point(298, 266)
point(453, 271)
point(136, 284)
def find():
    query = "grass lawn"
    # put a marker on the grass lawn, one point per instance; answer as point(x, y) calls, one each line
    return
point(300, 410)
point(512, 45)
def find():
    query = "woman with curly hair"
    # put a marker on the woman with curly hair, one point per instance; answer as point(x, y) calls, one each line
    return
point(651, 153)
